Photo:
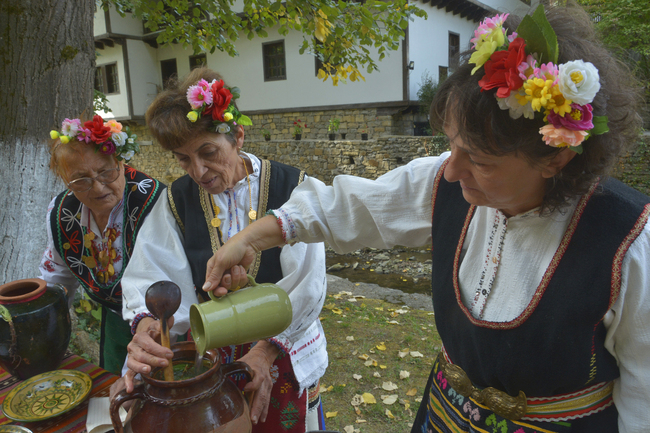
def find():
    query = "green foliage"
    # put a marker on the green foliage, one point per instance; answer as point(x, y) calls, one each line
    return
point(426, 92)
point(265, 132)
point(624, 26)
point(100, 103)
point(338, 32)
point(333, 125)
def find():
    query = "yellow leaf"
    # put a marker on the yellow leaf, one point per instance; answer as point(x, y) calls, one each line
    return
point(383, 367)
point(381, 346)
point(331, 414)
point(411, 392)
point(364, 357)
point(329, 388)
point(337, 311)
point(389, 414)
point(402, 353)
point(368, 398)
point(329, 306)
point(379, 308)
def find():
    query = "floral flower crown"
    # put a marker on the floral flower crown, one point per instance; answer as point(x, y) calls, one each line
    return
point(215, 99)
point(108, 136)
point(514, 65)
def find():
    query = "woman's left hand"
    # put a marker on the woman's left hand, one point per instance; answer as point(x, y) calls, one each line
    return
point(260, 359)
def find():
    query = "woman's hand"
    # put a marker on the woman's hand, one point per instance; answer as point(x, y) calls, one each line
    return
point(240, 251)
point(260, 359)
point(144, 350)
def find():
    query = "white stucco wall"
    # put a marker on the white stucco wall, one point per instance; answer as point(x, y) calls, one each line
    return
point(126, 25)
point(144, 72)
point(301, 88)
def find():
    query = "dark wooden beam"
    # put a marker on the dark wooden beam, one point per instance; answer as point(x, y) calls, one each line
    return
point(99, 45)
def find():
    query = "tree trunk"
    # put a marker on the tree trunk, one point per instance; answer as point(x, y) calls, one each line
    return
point(47, 64)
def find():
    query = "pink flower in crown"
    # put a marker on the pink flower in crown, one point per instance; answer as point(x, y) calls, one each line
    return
point(114, 125)
point(562, 137)
point(549, 71)
point(579, 119)
point(199, 94)
point(487, 26)
point(107, 148)
point(512, 37)
point(528, 67)
point(83, 134)
point(70, 127)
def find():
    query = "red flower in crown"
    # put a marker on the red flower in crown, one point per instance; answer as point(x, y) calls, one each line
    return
point(98, 132)
point(501, 70)
point(221, 98)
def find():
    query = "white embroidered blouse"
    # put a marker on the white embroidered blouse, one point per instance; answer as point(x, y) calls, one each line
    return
point(396, 209)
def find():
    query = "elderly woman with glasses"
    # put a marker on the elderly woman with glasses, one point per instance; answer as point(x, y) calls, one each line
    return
point(92, 226)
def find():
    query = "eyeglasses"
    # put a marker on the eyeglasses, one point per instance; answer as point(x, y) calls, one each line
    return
point(83, 184)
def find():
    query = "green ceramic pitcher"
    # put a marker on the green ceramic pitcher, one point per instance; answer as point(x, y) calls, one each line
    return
point(250, 314)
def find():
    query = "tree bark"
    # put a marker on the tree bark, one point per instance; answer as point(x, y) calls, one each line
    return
point(47, 64)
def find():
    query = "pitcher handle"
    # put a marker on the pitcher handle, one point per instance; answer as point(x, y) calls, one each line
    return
point(251, 283)
point(239, 367)
point(120, 398)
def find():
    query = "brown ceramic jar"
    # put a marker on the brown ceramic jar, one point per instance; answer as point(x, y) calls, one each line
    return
point(207, 403)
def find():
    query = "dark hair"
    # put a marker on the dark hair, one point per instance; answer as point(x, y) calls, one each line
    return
point(167, 115)
point(484, 126)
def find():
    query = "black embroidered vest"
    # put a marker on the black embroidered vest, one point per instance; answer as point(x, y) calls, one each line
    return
point(192, 209)
point(556, 345)
point(140, 194)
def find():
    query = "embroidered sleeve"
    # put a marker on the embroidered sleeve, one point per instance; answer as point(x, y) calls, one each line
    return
point(281, 343)
point(136, 321)
point(286, 224)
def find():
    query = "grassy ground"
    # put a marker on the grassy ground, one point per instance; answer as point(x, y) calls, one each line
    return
point(392, 339)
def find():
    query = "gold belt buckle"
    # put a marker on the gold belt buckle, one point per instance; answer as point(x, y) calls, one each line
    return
point(499, 402)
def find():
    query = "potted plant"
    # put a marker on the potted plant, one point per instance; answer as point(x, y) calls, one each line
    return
point(266, 134)
point(297, 129)
point(364, 133)
point(333, 127)
point(343, 135)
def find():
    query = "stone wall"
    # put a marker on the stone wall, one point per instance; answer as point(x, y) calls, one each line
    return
point(325, 159)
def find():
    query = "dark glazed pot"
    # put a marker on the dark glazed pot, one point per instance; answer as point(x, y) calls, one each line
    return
point(298, 136)
point(209, 402)
point(364, 136)
point(332, 137)
point(267, 137)
point(34, 327)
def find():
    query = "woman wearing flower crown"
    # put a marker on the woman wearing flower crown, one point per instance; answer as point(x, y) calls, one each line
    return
point(225, 189)
point(92, 226)
point(540, 277)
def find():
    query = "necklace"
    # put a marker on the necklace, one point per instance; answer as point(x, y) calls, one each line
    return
point(252, 215)
point(216, 222)
point(101, 261)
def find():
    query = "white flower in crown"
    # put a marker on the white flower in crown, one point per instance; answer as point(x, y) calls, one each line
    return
point(579, 81)
point(119, 138)
point(223, 128)
point(516, 110)
point(128, 155)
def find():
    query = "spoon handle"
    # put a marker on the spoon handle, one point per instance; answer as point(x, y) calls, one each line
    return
point(164, 340)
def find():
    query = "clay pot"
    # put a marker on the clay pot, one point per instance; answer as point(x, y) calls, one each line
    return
point(209, 402)
point(34, 327)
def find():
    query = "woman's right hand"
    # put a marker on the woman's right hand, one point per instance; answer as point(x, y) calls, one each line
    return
point(145, 351)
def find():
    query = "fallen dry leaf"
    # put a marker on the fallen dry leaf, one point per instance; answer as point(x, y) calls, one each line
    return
point(403, 374)
point(383, 367)
point(389, 414)
point(329, 306)
point(411, 392)
point(379, 308)
point(350, 429)
point(357, 376)
point(389, 399)
point(416, 354)
point(392, 322)
point(331, 414)
point(402, 353)
point(381, 346)
point(364, 357)
point(356, 400)
point(376, 374)
point(370, 362)
point(349, 338)
point(389, 386)
point(337, 311)
point(368, 398)
point(359, 421)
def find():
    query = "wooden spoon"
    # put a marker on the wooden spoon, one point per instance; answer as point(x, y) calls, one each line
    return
point(163, 299)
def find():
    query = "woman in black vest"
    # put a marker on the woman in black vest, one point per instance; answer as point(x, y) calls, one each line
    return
point(540, 263)
point(224, 190)
point(93, 225)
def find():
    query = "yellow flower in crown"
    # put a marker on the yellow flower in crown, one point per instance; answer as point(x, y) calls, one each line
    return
point(487, 38)
point(192, 116)
point(227, 117)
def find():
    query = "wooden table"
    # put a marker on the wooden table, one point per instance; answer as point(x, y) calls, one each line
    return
point(73, 421)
